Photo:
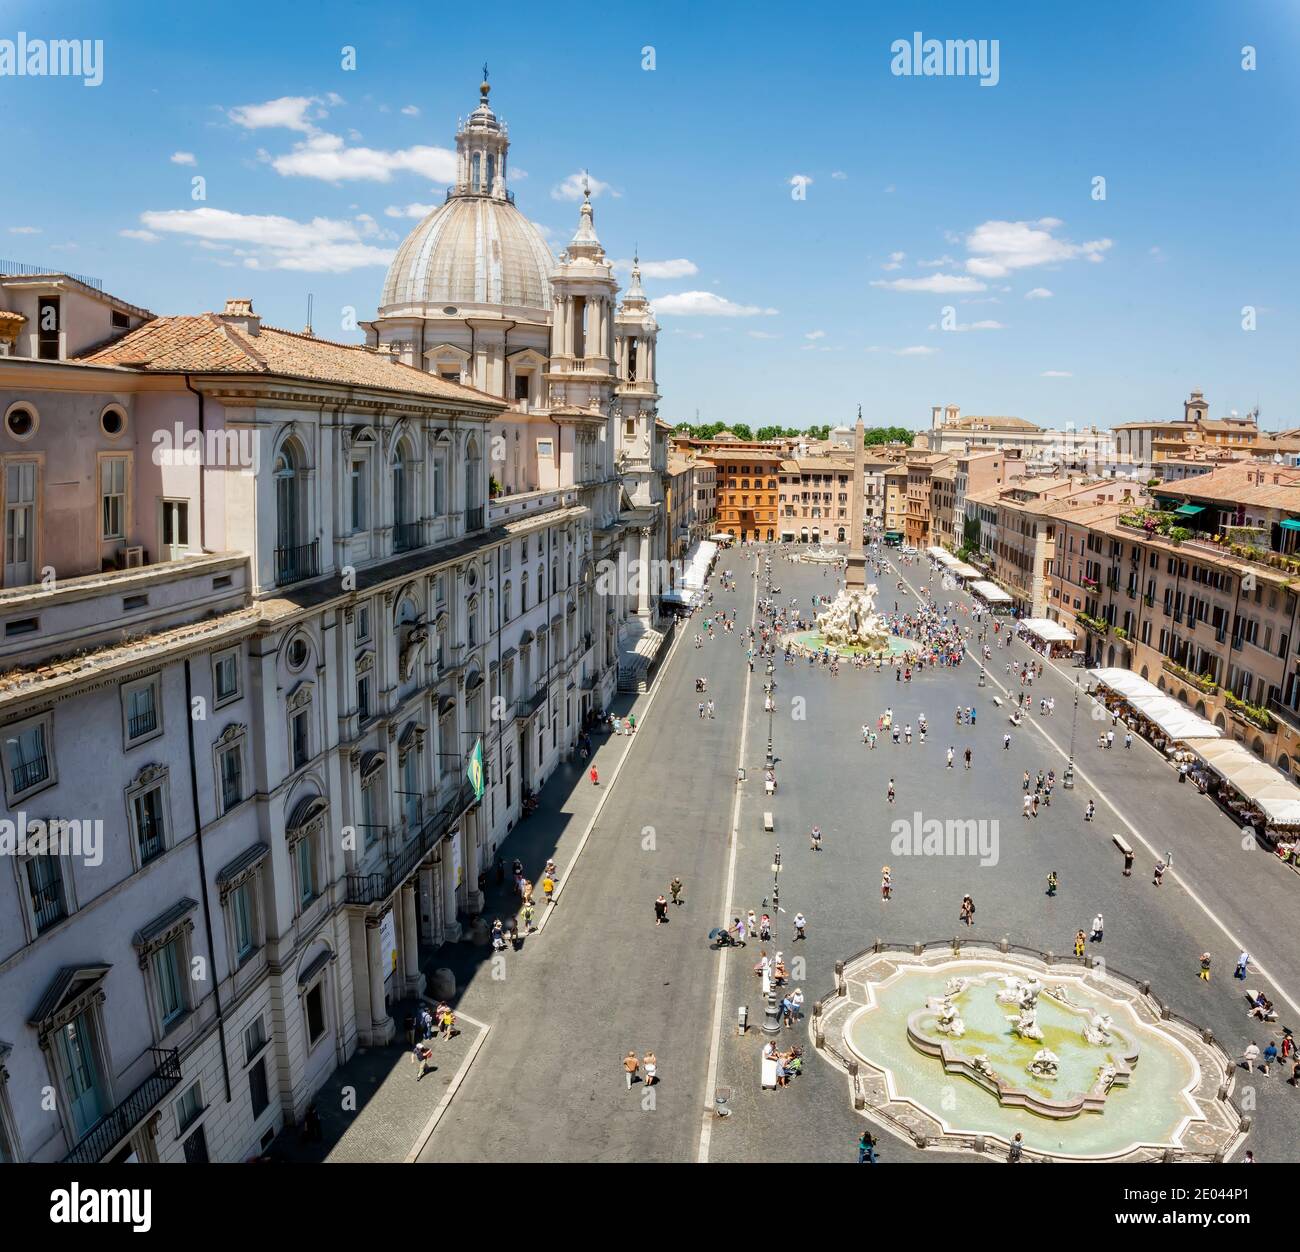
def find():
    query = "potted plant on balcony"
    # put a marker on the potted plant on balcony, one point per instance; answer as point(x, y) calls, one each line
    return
point(494, 488)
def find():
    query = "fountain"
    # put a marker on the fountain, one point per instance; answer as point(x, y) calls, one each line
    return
point(1078, 1062)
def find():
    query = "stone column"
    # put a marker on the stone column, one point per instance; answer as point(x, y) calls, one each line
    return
point(381, 1025)
point(643, 592)
point(450, 926)
point(428, 904)
point(411, 940)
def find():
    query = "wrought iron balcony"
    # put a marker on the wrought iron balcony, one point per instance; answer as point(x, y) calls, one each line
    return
point(29, 773)
point(292, 565)
point(109, 1131)
point(408, 535)
point(142, 724)
point(367, 889)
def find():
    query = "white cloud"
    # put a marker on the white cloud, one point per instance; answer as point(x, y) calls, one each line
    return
point(895, 261)
point(1038, 293)
point(680, 267)
point(800, 180)
point(327, 157)
point(411, 110)
point(762, 334)
point(815, 334)
point(323, 245)
point(919, 349)
point(705, 304)
point(183, 158)
point(1001, 247)
point(934, 283)
point(24, 230)
point(937, 262)
point(1056, 374)
point(572, 187)
point(838, 174)
point(415, 210)
point(144, 236)
point(287, 113)
point(964, 326)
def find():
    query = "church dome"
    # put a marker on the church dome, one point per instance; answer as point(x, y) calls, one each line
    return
point(474, 249)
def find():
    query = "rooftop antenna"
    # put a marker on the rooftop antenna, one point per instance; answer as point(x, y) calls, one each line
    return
point(308, 330)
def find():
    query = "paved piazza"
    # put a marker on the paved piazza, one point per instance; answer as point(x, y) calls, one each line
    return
point(602, 977)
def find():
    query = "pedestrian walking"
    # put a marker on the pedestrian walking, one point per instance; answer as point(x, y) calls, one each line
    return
point(815, 838)
point(1128, 863)
point(867, 1149)
point(800, 926)
point(423, 1058)
point(1080, 942)
point(1242, 961)
point(661, 910)
point(631, 1067)
point(968, 910)
point(529, 913)
point(968, 758)
point(1128, 738)
point(1250, 1056)
point(950, 755)
point(595, 778)
point(710, 708)
point(1205, 967)
point(1159, 873)
point(1006, 742)
point(1028, 803)
point(1016, 1150)
point(890, 792)
point(675, 887)
point(548, 889)
point(1270, 1055)
point(886, 884)
point(1052, 883)
point(1089, 812)
point(1096, 929)
point(765, 928)
point(650, 1064)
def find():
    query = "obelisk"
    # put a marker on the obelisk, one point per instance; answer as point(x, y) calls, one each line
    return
point(855, 575)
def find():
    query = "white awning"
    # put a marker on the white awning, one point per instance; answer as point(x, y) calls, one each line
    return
point(990, 592)
point(1126, 682)
point(944, 557)
point(1261, 784)
point(698, 561)
point(1175, 719)
point(721, 537)
point(1048, 631)
point(962, 570)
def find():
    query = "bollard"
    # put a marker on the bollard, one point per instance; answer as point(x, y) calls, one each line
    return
point(1207, 1035)
point(1144, 987)
point(819, 1034)
point(1048, 958)
point(817, 1009)
point(918, 949)
point(1004, 945)
point(979, 1144)
point(1164, 1012)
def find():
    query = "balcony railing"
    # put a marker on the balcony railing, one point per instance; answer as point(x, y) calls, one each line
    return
point(292, 565)
point(1284, 713)
point(29, 773)
point(109, 1131)
point(408, 535)
point(369, 888)
point(474, 518)
point(528, 705)
point(142, 724)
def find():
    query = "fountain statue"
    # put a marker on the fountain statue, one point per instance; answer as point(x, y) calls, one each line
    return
point(1045, 1063)
point(852, 621)
point(1023, 993)
point(1097, 1029)
point(955, 986)
point(1026, 1024)
point(947, 1020)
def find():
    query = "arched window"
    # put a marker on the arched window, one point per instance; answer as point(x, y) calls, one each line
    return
point(476, 169)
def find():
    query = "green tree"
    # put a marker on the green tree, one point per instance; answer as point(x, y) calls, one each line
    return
point(741, 430)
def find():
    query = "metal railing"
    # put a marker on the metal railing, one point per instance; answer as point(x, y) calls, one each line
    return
point(29, 773)
point(292, 565)
point(109, 1131)
point(21, 269)
point(142, 724)
point(408, 535)
point(369, 888)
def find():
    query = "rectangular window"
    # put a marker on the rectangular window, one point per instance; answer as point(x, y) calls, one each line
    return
point(176, 525)
point(315, 1014)
point(225, 676)
point(258, 1095)
point(112, 493)
point(363, 623)
point(150, 833)
point(301, 739)
point(232, 778)
point(241, 910)
point(141, 711)
point(306, 876)
point(359, 495)
point(440, 482)
point(20, 528)
point(363, 697)
point(45, 886)
point(167, 963)
point(254, 1039)
point(27, 758)
point(521, 386)
point(188, 1107)
point(48, 324)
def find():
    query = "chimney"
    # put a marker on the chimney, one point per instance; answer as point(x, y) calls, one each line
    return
point(952, 412)
point(936, 419)
point(239, 313)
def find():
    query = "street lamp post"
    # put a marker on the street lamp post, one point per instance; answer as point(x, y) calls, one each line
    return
point(1067, 779)
point(771, 1012)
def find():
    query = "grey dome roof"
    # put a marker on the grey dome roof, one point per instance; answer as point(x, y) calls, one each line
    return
point(472, 250)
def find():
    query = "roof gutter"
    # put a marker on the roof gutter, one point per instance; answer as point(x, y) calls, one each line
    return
point(203, 476)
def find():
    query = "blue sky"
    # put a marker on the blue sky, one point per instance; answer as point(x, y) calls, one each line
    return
point(790, 309)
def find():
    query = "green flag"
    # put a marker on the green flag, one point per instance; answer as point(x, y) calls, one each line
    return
point(474, 771)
